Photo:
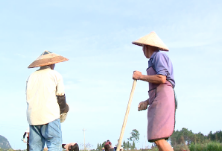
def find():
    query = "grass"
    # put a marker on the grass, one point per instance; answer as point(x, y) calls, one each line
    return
point(211, 146)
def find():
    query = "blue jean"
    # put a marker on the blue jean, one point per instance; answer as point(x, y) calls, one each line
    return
point(50, 134)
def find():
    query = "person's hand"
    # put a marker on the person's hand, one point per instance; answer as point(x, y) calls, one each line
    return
point(143, 105)
point(137, 75)
point(63, 117)
point(24, 141)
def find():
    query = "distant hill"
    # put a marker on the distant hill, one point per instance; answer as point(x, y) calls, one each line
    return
point(4, 143)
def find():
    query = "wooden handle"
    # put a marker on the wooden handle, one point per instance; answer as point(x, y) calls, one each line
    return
point(126, 116)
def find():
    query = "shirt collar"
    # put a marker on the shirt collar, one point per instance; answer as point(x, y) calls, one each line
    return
point(151, 58)
point(44, 67)
point(154, 53)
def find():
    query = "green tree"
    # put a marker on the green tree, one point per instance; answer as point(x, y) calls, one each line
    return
point(99, 147)
point(103, 143)
point(124, 145)
point(135, 135)
point(133, 146)
point(185, 136)
point(217, 136)
point(127, 145)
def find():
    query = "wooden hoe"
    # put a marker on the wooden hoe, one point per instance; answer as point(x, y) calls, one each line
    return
point(126, 116)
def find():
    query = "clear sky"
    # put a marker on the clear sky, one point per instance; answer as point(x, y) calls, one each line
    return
point(97, 38)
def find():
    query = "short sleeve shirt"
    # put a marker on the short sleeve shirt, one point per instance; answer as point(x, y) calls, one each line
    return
point(162, 65)
point(42, 87)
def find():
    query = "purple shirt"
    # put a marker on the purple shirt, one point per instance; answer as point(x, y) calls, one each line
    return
point(162, 65)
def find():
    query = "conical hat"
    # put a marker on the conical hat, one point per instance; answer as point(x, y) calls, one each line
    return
point(152, 40)
point(47, 58)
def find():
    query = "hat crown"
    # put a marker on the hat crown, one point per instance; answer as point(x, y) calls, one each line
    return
point(46, 52)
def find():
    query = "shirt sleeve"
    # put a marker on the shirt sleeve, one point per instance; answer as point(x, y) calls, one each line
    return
point(60, 89)
point(160, 63)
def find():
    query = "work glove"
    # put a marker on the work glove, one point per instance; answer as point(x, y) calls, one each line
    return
point(63, 117)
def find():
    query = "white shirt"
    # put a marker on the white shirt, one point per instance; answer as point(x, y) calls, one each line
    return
point(41, 89)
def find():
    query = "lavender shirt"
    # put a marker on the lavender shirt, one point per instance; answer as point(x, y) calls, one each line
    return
point(162, 65)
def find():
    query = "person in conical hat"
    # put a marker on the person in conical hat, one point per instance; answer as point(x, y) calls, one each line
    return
point(161, 101)
point(46, 102)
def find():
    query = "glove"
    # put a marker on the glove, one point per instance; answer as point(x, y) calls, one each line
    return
point(63, 117)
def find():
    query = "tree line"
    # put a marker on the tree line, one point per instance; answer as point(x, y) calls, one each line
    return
point(187, 136)
point(179, 137)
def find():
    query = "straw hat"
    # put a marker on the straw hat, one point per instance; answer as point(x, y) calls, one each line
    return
point(152, 40)
point(47, 58)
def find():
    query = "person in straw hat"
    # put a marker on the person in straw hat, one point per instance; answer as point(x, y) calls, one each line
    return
point(46, 101)
point(161, 101)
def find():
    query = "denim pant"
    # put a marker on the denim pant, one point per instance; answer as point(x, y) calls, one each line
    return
point(50, 134)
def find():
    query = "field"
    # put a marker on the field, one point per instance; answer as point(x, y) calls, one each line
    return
point(211, 146)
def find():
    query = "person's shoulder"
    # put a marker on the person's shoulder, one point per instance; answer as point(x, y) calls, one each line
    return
point(160, 57)
point(56, 73)
point(33, 74)
point(161, 54)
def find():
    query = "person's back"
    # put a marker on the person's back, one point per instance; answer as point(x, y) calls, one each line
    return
point(42, 106)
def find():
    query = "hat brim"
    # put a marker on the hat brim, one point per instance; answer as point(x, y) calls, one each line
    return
point(142, 44)
point(151, 39)
point(47, 61)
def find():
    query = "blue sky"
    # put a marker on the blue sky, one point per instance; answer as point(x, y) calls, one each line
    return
point(97, 38)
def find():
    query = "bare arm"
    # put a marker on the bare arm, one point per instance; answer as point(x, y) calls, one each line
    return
point(157, 79)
